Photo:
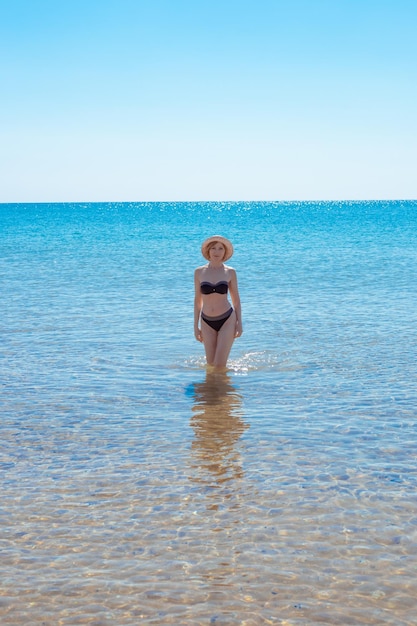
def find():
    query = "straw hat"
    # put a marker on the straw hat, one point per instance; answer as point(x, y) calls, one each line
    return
point(217, 238)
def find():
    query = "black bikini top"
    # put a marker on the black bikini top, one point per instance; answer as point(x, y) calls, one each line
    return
point(208, 288)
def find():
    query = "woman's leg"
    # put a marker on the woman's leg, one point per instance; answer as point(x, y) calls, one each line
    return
point(209, 341)
point(225, 339)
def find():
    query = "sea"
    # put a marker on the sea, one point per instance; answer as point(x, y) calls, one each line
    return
point(140, 488)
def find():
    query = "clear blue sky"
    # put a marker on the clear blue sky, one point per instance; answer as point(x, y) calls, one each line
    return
point(140, 100)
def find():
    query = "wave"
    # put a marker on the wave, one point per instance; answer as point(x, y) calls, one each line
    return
point(249, 362)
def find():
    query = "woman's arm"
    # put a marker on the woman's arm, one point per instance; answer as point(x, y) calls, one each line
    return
point(234, 294)
point(198, 305)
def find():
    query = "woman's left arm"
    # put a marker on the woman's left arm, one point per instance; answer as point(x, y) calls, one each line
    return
point(234, 294)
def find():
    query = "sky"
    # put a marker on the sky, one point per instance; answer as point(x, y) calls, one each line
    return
point(198, 100)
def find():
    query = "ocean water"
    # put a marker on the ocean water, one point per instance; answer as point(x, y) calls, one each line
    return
point(137, 488)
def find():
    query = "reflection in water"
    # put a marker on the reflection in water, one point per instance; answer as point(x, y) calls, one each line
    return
point(218, 425)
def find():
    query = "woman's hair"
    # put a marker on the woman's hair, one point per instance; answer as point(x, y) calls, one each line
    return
point(214, 243)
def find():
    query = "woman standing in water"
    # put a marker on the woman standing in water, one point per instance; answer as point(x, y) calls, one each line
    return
point(220, 322)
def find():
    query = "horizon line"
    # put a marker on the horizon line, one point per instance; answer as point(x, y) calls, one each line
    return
point(207, 201)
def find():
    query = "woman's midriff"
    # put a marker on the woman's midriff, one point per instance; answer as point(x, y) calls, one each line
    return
point(215, 304)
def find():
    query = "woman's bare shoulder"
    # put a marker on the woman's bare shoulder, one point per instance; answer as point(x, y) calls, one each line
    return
point(198, 270)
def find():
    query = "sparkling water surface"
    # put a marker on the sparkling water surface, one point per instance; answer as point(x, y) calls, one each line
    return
point(137, 488)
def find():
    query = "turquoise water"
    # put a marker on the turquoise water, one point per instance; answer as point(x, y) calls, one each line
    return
point(137, 488)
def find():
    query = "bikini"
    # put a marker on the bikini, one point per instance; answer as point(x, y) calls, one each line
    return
point(208, 288)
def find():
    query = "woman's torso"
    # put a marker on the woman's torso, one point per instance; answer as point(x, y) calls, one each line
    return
point(214, 285)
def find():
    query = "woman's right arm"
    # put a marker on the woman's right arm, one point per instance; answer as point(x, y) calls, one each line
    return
point(198, 305)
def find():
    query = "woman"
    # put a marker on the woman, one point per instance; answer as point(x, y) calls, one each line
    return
point(220, 323)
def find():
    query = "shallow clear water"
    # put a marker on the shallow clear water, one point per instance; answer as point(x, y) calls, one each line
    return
point(137, 488)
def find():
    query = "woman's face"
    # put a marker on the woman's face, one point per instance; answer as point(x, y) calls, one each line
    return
point(217, 251)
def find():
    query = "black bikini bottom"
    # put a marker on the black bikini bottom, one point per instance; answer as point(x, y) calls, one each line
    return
point(217, 322)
